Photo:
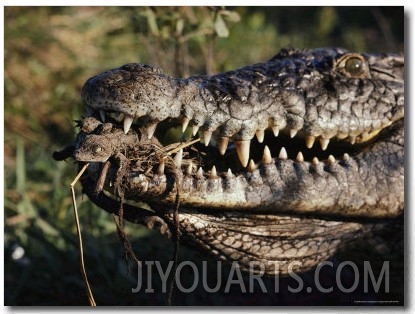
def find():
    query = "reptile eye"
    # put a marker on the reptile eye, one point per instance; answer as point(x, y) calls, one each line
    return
point(97, 149)
point(354, 66)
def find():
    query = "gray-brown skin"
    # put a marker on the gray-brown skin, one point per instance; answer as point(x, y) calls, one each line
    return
point(263, 213)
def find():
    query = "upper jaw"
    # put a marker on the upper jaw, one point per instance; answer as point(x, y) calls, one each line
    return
point(359, 110)
point(241, 133)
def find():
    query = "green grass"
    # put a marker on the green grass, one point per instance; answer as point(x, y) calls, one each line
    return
point(51, 51)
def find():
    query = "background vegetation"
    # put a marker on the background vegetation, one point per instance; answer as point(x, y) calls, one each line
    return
point(51, 51)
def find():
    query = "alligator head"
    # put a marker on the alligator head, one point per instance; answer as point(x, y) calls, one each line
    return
point(257, 187)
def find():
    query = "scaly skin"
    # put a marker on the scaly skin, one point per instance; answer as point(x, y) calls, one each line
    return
point(306, 91)
point(277, 209)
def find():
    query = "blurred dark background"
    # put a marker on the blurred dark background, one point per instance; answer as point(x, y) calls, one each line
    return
point(51, 51)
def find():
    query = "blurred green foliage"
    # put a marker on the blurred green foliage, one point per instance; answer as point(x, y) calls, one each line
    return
point(51, 51)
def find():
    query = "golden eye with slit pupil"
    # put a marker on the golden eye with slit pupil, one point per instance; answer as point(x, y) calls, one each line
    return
point(354, 66)
point(97, 149)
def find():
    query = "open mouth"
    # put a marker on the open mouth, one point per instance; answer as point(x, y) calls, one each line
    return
point(208, 150)
point(282, 173)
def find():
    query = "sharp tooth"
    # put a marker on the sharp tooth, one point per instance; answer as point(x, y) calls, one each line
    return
point(283, 154)
point(213, 173)
point(266, 157)
point(352, 139)
point(178, 158)
point(309, 141)
point(242, 149)
point(251, 166)
point(229, 174)
point(189, 168)
point(315, 161)
point(102, 115)
point(199, 173)
point(260, 135)
point(207, 135)
point(324, 142)
point(331, 160)
point(195, 130)
point(150, 130)
point(293, 132)
point(300, 157)
point(276, 130)
point(346, 157)
point(223, 144)
point(185, 123)
point(160, 169)
point(128, 120)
